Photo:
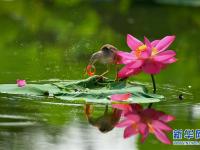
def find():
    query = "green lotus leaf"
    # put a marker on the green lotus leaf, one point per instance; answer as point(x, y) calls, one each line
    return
point(92, 90)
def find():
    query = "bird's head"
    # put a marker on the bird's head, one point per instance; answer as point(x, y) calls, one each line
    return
point(95, 57)
point(108, 48)
point(105, 50)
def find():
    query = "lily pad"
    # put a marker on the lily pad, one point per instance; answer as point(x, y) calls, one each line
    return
point(93, 90)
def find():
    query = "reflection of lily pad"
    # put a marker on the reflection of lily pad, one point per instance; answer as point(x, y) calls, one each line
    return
point(93, 89)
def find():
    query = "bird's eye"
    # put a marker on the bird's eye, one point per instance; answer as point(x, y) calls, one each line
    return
point(105, 49)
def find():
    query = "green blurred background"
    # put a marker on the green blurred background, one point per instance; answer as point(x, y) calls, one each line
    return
point(49, 40)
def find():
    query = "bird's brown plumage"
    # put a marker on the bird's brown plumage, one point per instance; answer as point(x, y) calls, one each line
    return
point(106, 55)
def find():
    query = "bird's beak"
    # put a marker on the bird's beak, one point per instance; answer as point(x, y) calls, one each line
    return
point(95, 57)
point(93, 60)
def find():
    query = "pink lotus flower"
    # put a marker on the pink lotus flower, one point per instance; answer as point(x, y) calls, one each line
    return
point(150, 57)
point(127, 108)
point(145, 121)
point(120, 97)
point(21, 83)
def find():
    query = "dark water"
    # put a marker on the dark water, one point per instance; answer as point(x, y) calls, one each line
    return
point(52, 40)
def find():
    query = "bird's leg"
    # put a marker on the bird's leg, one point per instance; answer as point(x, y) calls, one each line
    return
point(88, 109)
point(102, 75)
point(108, 68)
point(116, 69)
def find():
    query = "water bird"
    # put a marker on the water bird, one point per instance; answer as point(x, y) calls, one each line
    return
point(106, 55)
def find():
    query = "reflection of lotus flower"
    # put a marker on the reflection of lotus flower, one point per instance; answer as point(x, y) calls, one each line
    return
point(21, 83)
point(124, 107)
point(143, 121)
point(149, 57)
point(155, 122)
point(120, 97)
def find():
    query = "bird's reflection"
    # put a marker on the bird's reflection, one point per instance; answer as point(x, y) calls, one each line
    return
point(105, 122)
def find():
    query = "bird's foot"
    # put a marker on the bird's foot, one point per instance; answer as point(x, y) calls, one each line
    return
point(101, 77)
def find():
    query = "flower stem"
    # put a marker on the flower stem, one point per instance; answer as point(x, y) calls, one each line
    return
point(154, 88)
point(106, 109)
point(154, 84)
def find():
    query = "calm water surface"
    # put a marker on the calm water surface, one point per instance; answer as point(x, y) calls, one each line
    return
point(50, 40)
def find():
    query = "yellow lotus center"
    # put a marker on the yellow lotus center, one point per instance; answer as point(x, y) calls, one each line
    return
point(154, 51)
point(139, 50)
point(142, 48)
